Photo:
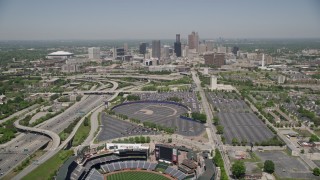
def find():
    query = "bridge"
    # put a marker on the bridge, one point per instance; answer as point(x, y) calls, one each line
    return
point(109, 92)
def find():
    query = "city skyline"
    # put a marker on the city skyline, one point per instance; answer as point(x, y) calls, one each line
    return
point(39, 20)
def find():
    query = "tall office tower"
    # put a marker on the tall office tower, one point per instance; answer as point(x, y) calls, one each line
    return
point(191, 40)
point(202, 48)
point(186, 51)
point(156, 49)
point(125, 47)
point(210, 45)
point(94, 53)
point(177, 46)
point(143, 48)
point(235, 50)
point(177, 37)
point(166, 51)
point(196, 41)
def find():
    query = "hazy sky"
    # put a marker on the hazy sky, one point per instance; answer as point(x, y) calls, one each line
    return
point(158, 19)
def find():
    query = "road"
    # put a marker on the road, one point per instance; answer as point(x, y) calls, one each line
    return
point(27, 143)
point(19, 113)
point(49, 154)
point(215, 141)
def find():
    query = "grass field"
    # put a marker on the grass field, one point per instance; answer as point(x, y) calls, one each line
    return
point(82, 133)
point(48, 169)
point(136, 175)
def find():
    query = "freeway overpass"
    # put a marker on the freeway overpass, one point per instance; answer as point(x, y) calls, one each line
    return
point(109, 92)
point(55, 138)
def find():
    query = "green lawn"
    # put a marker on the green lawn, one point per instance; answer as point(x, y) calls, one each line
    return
point(48, 169)
point(303, 132)
point(136, 175)
point(81, 134)
point(317, 132)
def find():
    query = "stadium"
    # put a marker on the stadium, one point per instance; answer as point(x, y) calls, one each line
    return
point(126, 161)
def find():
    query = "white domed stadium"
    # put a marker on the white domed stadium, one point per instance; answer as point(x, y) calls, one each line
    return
point(59, 55)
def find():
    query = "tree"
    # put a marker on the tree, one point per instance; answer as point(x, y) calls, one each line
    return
point(316, 171)
point(238, 169)
point(169, 140)
point(234, 141)
point(314, 138)
point(268, 166)
point(220, 129)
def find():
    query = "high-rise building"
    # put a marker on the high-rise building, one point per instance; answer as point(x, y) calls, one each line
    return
point(185, 51)
point(193, 41)
point(143, 48)
point(202, 48)
point(156, 49)
point(177, 46)
point(235, 50)
point(210, 45)
point(125, 47)
point(94, 53)
point(216, 59)
point(196, 41)
point(166, 51)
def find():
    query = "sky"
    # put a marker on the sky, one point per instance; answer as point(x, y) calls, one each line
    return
point(157, 19)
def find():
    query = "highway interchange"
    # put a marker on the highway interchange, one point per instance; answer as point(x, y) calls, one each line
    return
point(29, 142)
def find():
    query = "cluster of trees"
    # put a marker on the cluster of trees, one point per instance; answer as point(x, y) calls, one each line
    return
point(238, 169)
point(274, 141)
point(309, 114)
point(155, 72)
point(314, 138)
point(24, 163)
point(236, 142)
point(122, 116)
point(7, 131)
point(63, 99)
point(133, 120)
point(132, 97)
point(17, 104)
point(152, 125)
point(149, 88)
point(268, 166)
point(63, 135)
point(316, 171)
point(174, 99)
point(44, 118)
point(218, 161)
point(184, 80)
point(137, 139)
point(124, 84)
point(199, 116)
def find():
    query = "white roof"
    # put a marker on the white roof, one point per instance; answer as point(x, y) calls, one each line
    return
point(60, 53)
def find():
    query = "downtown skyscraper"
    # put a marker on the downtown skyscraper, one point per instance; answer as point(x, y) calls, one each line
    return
point(193, 41)
point(156, 49)
point(177, 46)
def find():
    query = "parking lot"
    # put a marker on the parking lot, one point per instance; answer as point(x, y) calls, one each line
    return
point(287, 166)
point(238, 120)
point(164, 114)
point(114, 128)
point(187, 98)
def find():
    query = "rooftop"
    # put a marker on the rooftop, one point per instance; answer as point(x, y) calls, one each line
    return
point(60, 53)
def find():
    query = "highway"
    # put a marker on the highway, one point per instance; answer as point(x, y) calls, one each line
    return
point(49, 154)
point(27, 143)
point(216, 141)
